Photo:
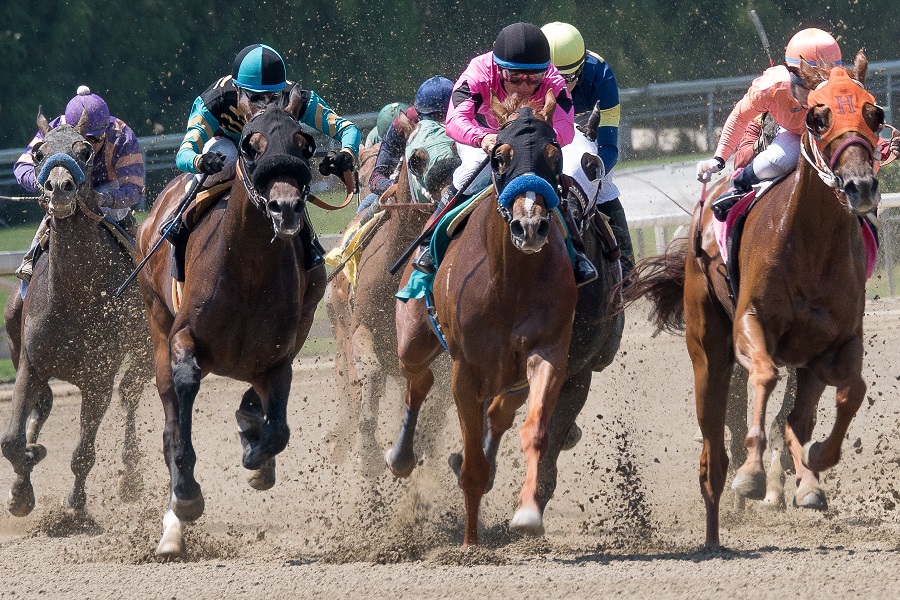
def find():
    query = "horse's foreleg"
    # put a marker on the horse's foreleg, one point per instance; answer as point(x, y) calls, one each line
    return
point(38, 417)
point(500, 416)
point(187, 497)
point(846, 375)
point(131, 388)
point(750, 479)
point(94, 403)
point(545, 379)
point(274, 432)
point(22, 454)
point(775, 474)
point(797, 432)
point(572, 398)
point(371, 385)
point(474, 471)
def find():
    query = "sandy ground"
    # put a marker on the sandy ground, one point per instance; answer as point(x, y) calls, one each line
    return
point(627, 520)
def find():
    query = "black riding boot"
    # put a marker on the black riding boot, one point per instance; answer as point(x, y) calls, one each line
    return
point(314, 253)
point(41, 237)
point(423, 261)
point(613, 209)
point(177, 234)
point(585, 271)
point(743, 183)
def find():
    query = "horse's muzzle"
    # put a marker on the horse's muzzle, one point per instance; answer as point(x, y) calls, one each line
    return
point(862, 194)
point(529, 234)
point(286, 217)
point(62, 192)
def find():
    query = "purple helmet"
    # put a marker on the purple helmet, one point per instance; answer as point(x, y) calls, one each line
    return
point(97, 110)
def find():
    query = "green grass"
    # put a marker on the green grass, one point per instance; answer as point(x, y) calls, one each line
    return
point(13, 239)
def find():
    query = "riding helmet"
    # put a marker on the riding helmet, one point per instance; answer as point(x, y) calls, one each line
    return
point(566, 46)
point(433, 96)
point(522, 46)
point(94, 105)
point(259, 68)
point(816, 47)
point(387, 114)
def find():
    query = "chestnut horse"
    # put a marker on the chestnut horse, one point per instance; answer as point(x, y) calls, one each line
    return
point(505, 297)
point(362, 317)
point(68, 325)
point(801, 295)
point(245, 309)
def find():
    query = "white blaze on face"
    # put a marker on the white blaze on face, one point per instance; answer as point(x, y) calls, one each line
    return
point(530, 199)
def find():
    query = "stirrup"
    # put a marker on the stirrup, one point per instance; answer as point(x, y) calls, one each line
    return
point(585, 271)
point(424, 262)
point(724, 203)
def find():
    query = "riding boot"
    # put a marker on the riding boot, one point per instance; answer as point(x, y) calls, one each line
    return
point(41, 237)
point(424, 261)
point(613, 209)
point(742, 185)
point(585, 271)
point(314, 253)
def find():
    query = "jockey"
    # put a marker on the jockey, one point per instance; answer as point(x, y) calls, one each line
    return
point(432, 100)
point(519, 64)
point(590, 81)
point(386, 116)
point(258, 76)
point(780, 91)
point(117, 175)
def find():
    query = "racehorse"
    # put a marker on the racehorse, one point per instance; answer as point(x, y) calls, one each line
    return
point(68, 325)
point(245, 309)
point(361, 315)
point(505, 297)
point(800, 298)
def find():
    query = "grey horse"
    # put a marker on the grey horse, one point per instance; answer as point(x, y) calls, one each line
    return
point(68, 326)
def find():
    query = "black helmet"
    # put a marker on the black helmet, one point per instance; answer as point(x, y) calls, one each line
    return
point(258, 68)
point(522, 46)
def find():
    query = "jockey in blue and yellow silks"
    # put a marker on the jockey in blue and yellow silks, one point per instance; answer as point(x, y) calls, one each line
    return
point(215, 123)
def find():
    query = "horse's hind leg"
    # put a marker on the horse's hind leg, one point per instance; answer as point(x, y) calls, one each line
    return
point(131, 388)
point(94, 403)
point(572, 398)
point(18, 449)
point(371, 380)
point(474, 471)
point(798, 431)
point(775, 474)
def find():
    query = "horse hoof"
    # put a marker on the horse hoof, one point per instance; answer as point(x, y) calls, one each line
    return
point(399, 468)
point(573, 436)
point(455, 461)
point(21, 503)
point(171, 544)
point(810, 497)
point(75, 500)
point(263, 478)
point(750, 484)
point(812, 457)
point(527, 521)
point(188, 510)
point(773, 501)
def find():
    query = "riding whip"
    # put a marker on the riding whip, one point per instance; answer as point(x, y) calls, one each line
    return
point(175, 220)
point(762, 35)
point(429, 230)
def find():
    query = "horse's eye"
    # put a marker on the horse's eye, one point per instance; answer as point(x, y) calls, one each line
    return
point(818, 119)
point(876, 119)
point(83, 151)
point(37, 155)
point(253, 146)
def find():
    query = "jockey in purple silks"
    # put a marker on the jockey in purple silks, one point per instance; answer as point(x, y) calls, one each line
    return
point(118, 172)
point(519, 64)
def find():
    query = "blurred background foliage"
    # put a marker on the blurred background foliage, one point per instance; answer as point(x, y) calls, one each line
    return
point(149, 59)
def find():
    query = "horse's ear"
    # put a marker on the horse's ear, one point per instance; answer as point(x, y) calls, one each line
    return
point(82, 125)
point(549, 106)
point(43, 125)
point(406, 126)
point(498, 108)
point(295, 100)
point(553, 156)
point(417, 162)
point(861, 66)
point(810, 75)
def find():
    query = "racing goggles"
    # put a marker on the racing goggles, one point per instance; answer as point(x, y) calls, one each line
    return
point(529, 77)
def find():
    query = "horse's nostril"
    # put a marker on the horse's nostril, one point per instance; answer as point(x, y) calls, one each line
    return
point(48, 186)
point(544, 228)
point(851, 188)
point(274, 208)
point(516, 229)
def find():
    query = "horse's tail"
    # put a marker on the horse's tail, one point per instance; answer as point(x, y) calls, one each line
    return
point(661, 279)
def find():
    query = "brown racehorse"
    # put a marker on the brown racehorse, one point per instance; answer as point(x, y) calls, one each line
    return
point(801, 298)
point(505, 297)
point(246, 307)
point(362, 317)
point(69, 327)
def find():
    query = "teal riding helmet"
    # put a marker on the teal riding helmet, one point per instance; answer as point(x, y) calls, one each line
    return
point(259, 68)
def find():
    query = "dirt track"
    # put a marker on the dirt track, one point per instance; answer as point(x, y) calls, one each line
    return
point(627, 519)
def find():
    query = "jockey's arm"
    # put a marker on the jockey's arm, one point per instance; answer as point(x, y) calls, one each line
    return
point(24, 167)
point(461, 124)
point(735, 126)
point(389, 156)
point(598, 84)
point(201, 127)
point(127, 189)
point(322, 118)
point(746, 148)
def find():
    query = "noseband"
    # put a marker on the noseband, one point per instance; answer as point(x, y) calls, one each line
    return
point(60, 159)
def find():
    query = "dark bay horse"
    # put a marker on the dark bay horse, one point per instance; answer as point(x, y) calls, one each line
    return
point(801, 296)
point(246, 307)
point(362, 315)
point(505, 296)
point(68, 325)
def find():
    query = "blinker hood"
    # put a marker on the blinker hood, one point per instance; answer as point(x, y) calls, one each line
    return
point(282, 156)
point(528, 170)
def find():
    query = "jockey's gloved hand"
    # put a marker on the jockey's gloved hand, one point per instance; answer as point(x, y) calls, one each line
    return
point(336, 164)
point(210, 163)
point(706, 168)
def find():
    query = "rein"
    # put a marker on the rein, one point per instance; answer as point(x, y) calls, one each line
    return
point(824, 166)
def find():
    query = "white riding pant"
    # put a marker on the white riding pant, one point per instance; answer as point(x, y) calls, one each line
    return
point(780, 158)
point(471, 158)
point(572, 154)
point(226, 147)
